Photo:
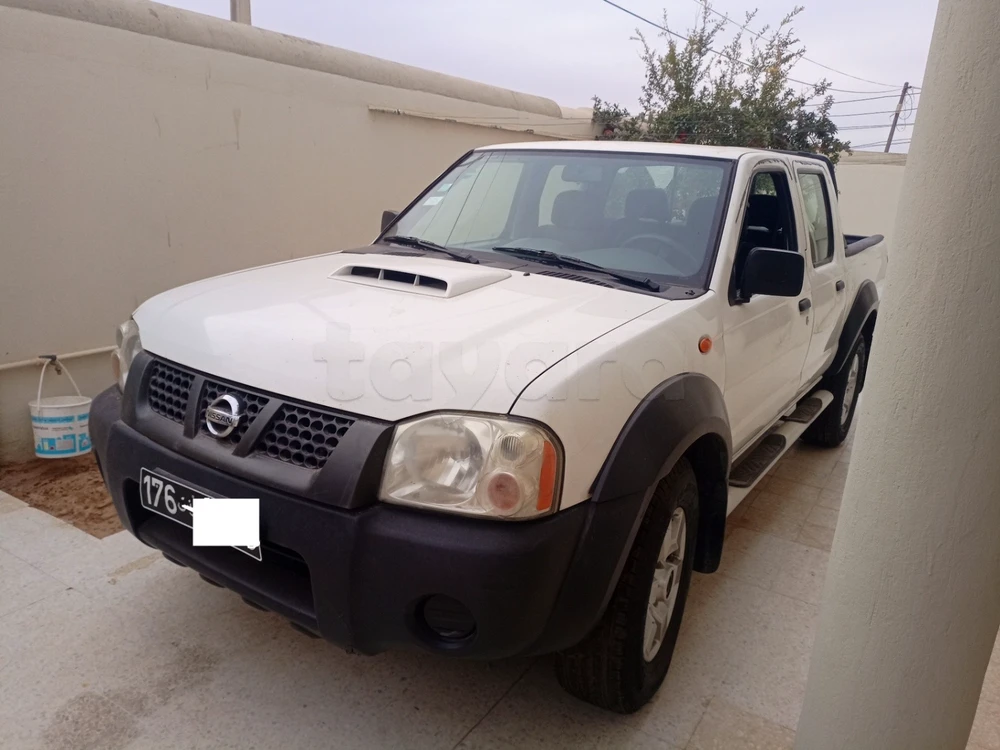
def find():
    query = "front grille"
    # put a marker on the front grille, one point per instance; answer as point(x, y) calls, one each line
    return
point(254, 403)
point(303, 436)
point(169, 390)
point(297, 434)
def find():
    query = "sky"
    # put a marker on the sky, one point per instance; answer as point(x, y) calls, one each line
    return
point(573, 50)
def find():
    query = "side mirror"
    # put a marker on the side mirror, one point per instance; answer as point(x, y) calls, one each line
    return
point(387, 218)
point(777, 273)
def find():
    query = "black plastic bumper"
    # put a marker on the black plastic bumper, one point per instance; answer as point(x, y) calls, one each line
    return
point(360, 577)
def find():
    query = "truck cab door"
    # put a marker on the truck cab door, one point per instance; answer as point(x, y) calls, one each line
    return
point(766, 338)
point(825, 267)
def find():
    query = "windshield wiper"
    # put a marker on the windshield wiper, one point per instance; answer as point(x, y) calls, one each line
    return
point(568, 261)
point(432, 246)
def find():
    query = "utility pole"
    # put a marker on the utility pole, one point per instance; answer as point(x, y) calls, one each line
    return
point(239, 11)
point(895, 117)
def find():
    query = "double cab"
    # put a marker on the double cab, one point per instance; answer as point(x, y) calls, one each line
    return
point(517, 421)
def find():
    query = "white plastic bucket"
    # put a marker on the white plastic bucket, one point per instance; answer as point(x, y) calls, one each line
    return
point(61, 423)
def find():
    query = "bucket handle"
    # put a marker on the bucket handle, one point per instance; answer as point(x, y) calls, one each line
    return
point(52, 359)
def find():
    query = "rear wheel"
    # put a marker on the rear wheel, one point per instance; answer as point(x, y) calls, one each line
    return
point(620, 665)
point(831, 427)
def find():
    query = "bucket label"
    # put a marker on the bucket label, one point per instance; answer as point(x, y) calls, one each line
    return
point(62, 444)
point(52, 420)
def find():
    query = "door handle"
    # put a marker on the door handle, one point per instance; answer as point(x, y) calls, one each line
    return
point(841, 285)
point(805, 304)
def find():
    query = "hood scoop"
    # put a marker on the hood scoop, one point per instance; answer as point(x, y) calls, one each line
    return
point(420, 277)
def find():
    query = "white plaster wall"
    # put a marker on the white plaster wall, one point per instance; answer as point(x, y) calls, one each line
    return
point(869, 197)
point(144, 147)
point(911, 602)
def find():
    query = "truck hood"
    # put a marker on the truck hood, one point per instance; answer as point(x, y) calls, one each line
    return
point(383, 336)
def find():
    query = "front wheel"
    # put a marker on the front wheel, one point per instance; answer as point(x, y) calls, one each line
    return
point(831, 427)
point(620, 665)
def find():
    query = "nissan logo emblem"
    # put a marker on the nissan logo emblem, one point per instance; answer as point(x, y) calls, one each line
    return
point(223, 415)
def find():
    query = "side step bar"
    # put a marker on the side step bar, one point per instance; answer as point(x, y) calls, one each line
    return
point(752, 467)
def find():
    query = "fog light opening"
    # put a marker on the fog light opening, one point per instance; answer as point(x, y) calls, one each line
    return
point(447, 619)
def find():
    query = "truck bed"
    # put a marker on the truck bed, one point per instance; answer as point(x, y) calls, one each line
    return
point(856, 243)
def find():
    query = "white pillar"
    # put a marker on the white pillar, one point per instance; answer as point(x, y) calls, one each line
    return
point(912, 600)
point(239, 11)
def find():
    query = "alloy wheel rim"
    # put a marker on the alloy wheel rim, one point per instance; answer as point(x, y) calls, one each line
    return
point(666, 584)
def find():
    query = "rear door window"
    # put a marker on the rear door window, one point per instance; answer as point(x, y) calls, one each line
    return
point(816, 206)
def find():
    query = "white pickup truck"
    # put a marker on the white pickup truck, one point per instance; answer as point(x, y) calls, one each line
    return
point(517, 421)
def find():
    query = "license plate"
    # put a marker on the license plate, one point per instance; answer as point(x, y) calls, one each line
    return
point(171, 499)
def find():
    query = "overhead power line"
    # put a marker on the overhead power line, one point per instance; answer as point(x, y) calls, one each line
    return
point(863, 114)
point(807, 59)
point(879, 144)
point(722, 55)
point(866, 99)
point(865, 127)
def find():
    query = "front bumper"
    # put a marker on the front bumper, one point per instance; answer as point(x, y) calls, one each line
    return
point(360, 577)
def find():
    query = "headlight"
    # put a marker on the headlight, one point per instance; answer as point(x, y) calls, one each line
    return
point(477, 466)
point(127, 346)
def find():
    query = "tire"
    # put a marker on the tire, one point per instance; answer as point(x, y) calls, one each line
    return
point(609, 668)
point(831, 427)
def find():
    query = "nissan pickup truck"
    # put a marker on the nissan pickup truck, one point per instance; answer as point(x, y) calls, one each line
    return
point(517, 421)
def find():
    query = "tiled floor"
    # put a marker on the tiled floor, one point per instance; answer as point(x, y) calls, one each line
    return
point(105, 645)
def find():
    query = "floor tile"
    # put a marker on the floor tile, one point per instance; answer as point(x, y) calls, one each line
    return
point(63, 650)
point(538, 713)
point(790, 506)
point(753, 557)
point(820, 537)
point(822, 459)
point(35, 536)
point(758, 642)
point(830, 499)
point(25, 520)
point(777, 515)
point(733, 521)
point(801, 574)
point(22, 584)
point(90, 722)
point(801, 471)
point(102, 564)
point(695, 675)
point(628, 738)
point(820, 516)
point(837, 478)
point(727, 727)
point(307, 693)
point(10, 503)
point(794, 490)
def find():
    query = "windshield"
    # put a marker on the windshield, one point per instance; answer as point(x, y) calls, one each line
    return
point(638, 213)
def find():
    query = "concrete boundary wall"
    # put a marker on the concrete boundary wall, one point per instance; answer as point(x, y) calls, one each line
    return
point(144, 147)
point(870, 189)
point(174, 24)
